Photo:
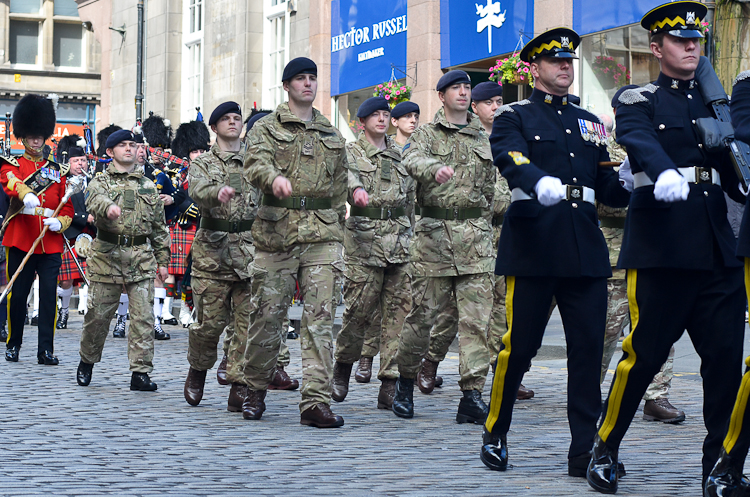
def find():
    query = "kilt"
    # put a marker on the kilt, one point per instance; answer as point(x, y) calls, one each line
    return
point(182, 240)
point(68, 269)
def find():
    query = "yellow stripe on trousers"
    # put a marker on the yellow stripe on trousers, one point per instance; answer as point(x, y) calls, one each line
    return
point(740, 405)
point(623, 367)
point(498, 383)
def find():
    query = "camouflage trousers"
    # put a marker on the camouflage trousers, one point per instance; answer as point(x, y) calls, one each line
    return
point(284, 357)
point(103, 301)
point(618, 319)
point(316, 267)
point(377, 301)
point(467, 299)
point(219, 305)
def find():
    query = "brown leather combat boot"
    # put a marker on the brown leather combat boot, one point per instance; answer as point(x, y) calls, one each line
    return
point(426, 376)
point(282, 381)
point(221, 372)
point(340, 383)
point(524, 393)
point(320, 416)
point(237, 395)
point(364, 370)
point(253, 406)
point(194, 384)
point(386, 393)
point(662, 410)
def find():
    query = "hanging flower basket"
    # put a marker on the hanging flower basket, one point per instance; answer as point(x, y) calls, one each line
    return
point(610, 73)
point(394, 92)
point(512, 70)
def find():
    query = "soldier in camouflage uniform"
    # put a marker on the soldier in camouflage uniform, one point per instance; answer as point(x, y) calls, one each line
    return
point(452, 253)
point(132, 240)
point(612, 222)
point(376, 246)
point(297, 159)
point(222, 251)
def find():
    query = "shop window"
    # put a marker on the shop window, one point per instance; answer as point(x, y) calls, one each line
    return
point(24, 42)
point(67, 45)
point(611, 59)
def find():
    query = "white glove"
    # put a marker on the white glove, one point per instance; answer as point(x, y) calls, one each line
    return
point(549, 190)
point(53, 223)
point(671, 186)
point(626, 175)
point(30, 201)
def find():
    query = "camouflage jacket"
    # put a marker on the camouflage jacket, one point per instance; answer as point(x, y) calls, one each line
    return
point(613, 235)
point(311, 156)
point(375, 242)
point(218, 254)
point(443, 247)
point(142, 214)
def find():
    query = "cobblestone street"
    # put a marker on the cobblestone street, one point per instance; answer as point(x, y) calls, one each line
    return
point(62, 439)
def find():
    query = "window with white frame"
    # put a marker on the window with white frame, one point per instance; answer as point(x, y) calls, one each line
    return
point(192, 59)
point(275, 51)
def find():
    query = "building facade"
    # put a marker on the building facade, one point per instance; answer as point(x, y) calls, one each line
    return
point(199, 53)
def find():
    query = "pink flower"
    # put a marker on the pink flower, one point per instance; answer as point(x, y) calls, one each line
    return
point(387, 97)
point(525, 69)
point(398, 92)
point(380, 86)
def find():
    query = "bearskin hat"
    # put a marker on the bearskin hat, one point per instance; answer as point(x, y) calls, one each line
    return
point(101, 139)
point(34, 115)
point(190, 137)
point(73, 145)
point(157, 131)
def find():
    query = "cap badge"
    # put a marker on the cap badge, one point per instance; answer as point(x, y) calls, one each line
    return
point(690, 18)
point(564, 42)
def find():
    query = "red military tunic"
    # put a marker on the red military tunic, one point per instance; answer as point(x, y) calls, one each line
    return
point(23, 229)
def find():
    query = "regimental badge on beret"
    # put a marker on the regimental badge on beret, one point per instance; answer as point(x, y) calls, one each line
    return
point(681, 19)
point(560, 43)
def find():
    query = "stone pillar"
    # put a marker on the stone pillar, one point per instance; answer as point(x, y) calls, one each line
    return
point(99, 14)
point(320, 52)
point(732, 41)
point(550, 14)
point(423, 51)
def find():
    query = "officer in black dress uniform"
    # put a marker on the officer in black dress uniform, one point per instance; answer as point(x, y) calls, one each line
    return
point(678, 247)
point(726, 478)
point(549, 150)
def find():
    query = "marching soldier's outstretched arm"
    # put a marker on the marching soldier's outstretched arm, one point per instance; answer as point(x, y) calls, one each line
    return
point(260, 164)
point(202, 187)
point(97, 199)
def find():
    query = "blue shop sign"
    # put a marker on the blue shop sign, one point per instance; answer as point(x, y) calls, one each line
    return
point(591, 16)
point(477, 29)
point(367, 39)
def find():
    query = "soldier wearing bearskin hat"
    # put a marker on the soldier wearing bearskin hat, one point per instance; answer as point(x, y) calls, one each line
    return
point(36, 187)
point(157, 134)
point(70, 151)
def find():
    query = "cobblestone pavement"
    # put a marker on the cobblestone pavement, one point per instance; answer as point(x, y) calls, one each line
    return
point(62, 439)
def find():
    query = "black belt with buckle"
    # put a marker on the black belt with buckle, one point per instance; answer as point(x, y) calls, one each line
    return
point(122, 240)
point(612, 222)
point(309, 203)
point(227, 226)
point(377, 212)
point(457, 214)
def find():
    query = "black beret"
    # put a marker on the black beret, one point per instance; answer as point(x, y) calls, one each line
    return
point(255, 115)
point(222, 109)
point(451, 78)
point(371, 105)
point(300, 65)
point(560, 43)
point(680, 19)
point(486, 90)
point(404, 108)
point(620, 92)
point(119, 136)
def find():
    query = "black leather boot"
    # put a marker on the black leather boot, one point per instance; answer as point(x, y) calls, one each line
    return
point(62, 320)
point(472, 408)
point(403, 400)
point(494, 453)
point(160, 334)
point(340, 383)
point(602, 471)
point(83, 375)
point(141, 381)
point(726, 479)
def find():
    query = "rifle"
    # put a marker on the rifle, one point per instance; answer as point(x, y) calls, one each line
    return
point(718, 132)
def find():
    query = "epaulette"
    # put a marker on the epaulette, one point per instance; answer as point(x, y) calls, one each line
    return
point(634, 96)
point(509, 108)
point(10, 160)
point(741, 76)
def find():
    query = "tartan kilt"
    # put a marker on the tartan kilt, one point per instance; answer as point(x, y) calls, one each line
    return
point(68, 269)
point(182, 240)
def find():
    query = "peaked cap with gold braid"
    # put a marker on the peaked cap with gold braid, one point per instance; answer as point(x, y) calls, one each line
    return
point(680, 19)
point(560, 43)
